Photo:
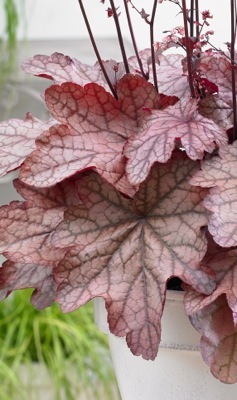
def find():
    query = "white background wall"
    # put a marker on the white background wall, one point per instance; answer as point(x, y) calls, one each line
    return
point(61, 19)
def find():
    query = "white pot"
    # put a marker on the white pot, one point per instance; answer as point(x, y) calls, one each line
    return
point(178, 372)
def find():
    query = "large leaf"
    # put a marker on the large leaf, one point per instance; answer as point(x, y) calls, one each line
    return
point(17, 140)
point(158, 136)
point(220, 174)
point(61, 68)
point(127, 249)
point(95, 129)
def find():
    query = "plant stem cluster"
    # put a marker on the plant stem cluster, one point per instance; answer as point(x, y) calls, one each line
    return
point(192, 41)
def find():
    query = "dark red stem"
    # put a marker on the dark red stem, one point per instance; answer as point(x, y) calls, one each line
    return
point(120, 37)
point(133, 38)
point(197, 19)
point(153, 57)
point(191, 18)
point(95, 48)
point(188, 49)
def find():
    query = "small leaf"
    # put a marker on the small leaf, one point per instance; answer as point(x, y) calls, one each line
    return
point(159, 131)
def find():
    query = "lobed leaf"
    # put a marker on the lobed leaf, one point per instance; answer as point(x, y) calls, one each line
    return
point(219, 173)
point(170, 76)
point(18, 140)
point(61, 68)
point(218, 344)
point(24, 232)
point(95, 128)
point(25, 227)
point(125, 250)
point(217, 68)
point(215, 108)
point(15, 276)
point(171, 79)
point(159, 132)
point(215, 316)
point(223, 262)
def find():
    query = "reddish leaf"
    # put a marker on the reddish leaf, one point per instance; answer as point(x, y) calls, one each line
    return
point(171, 79)
point(96, 128)
point(18, 140)
point(223, 263)
point(15, 276)
point(25, 228)
point(24, 232)
point(60, 195)
point(61, 68)
point(115, 236)
point(146, 61)
point(220, 174)
point(215, 108)
point(215, 316)
point(159, 131)
point(218, 70)
point(219, 339)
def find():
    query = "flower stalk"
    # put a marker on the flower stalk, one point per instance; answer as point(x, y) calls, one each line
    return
point(153, 56)
point(188, 48)
point(97, 53)
point(133, 38)
point(197, 19)
point(120, 36)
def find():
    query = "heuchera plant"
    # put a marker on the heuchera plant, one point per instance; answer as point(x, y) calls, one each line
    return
point(133, 181)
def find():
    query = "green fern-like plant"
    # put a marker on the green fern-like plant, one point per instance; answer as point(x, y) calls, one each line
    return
point(74, 353)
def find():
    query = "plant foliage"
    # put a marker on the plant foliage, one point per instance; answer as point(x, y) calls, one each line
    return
point(132, 182)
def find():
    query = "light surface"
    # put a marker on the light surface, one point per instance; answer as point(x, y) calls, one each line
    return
point(60, 19)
